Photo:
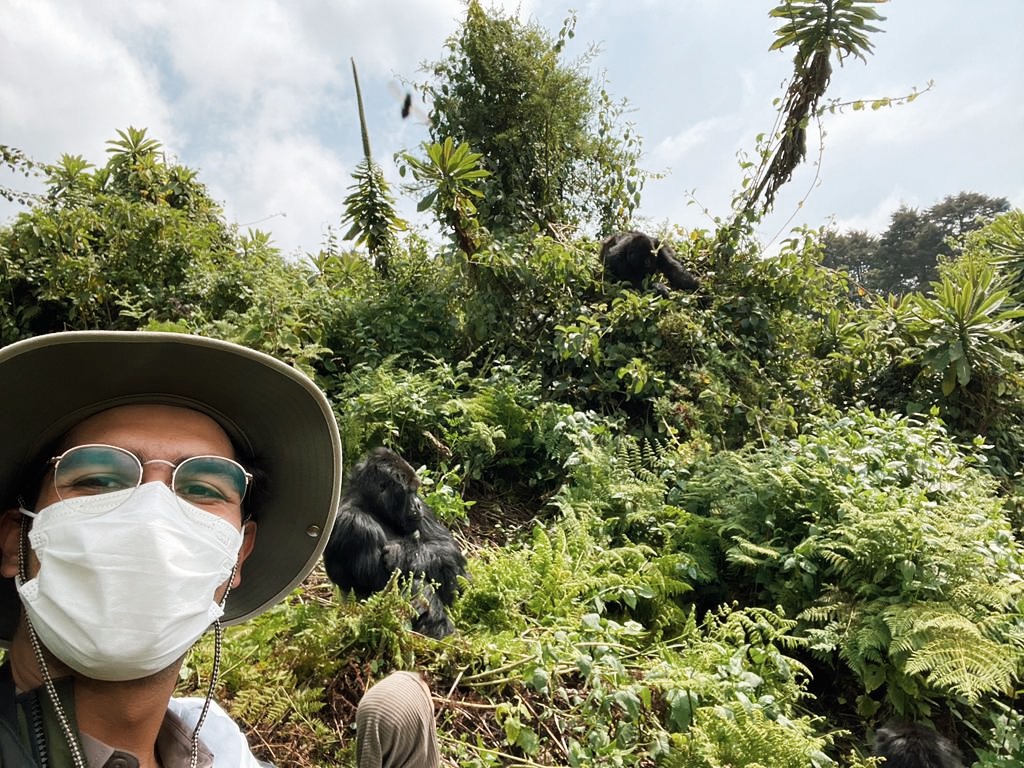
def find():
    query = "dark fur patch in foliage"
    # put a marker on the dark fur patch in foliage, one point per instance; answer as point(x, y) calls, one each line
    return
point(632, 257)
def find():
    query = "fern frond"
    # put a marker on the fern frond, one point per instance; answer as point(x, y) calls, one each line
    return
point(967, 666)
point(742, 734)
point(1000, 596)
point(748, 553)
point(952, 651)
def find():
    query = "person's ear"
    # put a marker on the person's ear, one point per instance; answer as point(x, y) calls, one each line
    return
point(248, 542)
point(10, 536)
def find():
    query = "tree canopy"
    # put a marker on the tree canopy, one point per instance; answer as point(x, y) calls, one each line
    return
point(906, 256)
point(550, 138)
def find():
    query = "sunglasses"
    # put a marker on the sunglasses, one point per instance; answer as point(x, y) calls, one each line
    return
point(92, 470)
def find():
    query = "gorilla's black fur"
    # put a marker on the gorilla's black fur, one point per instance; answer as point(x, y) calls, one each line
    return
point(384, 526)
point(634, 256)
point(911, 745)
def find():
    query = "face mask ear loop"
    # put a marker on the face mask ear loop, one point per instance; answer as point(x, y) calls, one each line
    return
point(44, 669)
point(22, 540)
point(218, 638)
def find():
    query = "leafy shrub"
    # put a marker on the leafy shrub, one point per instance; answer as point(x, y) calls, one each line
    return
point(498, 429)
point(112, 247)
point(894, 551)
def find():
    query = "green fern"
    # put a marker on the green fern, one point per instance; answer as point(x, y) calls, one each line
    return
point(952, 651)
point(748, 553)
point(640, 458)
point(744, 736)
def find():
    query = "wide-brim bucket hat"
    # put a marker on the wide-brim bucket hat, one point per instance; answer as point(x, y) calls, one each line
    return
point(274, 413)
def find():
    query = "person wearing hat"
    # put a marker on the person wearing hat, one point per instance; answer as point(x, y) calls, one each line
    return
point(136, 469)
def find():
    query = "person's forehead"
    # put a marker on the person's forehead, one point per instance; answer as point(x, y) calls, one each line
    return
point(157, 429)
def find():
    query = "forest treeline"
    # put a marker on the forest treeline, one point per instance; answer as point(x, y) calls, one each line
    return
point(906, 256)
point(740, 526)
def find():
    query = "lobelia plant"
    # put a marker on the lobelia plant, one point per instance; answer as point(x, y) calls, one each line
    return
point(370, 209)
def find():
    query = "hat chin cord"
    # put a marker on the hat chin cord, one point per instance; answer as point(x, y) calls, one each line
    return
point(51, 689)
point(218, 639)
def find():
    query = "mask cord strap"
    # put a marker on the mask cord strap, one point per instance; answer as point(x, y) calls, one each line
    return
point(37, 649)
point(218, 637)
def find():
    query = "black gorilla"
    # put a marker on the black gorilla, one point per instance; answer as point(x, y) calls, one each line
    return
point(383, 526)
point(634, 256)
point(910, 745)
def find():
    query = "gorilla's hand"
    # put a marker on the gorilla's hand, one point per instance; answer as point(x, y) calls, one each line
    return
point(392, 555)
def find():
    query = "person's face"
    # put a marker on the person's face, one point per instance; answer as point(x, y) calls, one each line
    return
point(169, 433)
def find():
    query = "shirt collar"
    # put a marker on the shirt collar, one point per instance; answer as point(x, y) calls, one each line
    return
point(173, 745)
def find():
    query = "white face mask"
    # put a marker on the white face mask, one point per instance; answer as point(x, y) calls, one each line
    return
point(121, 594)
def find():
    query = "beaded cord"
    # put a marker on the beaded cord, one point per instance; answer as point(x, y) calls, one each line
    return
point(37, 649)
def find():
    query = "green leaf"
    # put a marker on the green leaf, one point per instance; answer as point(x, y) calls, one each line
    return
point(426, 202)
point(681, 705)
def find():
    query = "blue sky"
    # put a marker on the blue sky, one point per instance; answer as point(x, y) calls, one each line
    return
point(257, 96)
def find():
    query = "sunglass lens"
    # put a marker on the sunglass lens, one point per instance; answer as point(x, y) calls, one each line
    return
point(94, 469)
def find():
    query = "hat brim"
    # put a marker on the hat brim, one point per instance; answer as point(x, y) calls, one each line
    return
point(274, 412)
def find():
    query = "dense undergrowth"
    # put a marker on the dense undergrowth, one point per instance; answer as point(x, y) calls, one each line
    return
point(738, 527)
point(695, 539)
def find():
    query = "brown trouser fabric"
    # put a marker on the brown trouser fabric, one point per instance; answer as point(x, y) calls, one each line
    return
point(395, 724)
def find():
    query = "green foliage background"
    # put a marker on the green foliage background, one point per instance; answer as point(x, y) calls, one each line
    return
point(740, 527)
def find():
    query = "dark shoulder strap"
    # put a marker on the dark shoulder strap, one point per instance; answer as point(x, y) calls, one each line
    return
point(30, 731)
point(13, 751)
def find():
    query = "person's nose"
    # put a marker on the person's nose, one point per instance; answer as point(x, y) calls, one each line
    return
point(157, 470)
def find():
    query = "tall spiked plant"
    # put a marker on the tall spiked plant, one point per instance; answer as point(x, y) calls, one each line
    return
point(1005, 238)
point(966, 344)
point(370, 209)
point(966, 329)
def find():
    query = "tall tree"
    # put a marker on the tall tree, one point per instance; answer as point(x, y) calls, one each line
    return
point(956, 215)
point(550, 140)
point(903, 265)
point(854, 252)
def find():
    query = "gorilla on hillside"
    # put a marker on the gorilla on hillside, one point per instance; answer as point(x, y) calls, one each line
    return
point(634, 256)
point(384, 526)
point(911, 745)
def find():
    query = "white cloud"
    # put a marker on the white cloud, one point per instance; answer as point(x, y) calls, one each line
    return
point(670, 150)
point(876, 220)
point(292, 187)
point(257, 96)
point(68, 84)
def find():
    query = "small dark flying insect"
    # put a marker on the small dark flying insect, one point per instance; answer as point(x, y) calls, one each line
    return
point(410, 110)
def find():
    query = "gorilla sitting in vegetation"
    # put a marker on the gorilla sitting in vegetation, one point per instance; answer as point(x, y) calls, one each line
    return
point(383, 526)
point(632, 257)
point(910, 745)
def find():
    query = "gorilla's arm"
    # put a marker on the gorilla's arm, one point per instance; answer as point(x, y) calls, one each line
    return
point(438, 555)
point(354, 555)
point(676, 274)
